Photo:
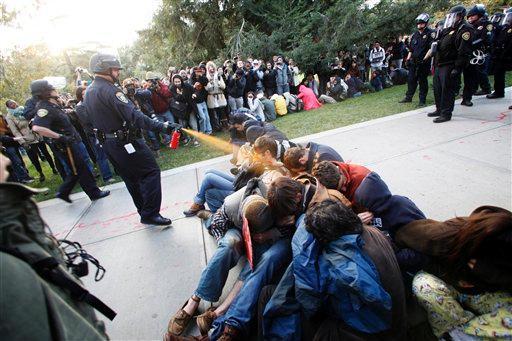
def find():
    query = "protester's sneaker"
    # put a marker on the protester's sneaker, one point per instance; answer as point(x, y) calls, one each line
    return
point(204, 214)
point(229, 334)
point(205, 320)
point(405, 100)
point(192, 211)
point(235, 170)
point(196, 143)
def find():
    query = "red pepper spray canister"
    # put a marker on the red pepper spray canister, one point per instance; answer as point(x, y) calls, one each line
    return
point(175, 139)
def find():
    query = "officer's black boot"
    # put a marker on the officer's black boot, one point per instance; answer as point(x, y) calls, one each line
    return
point(406, 100)
point(482, 92)
point(433, 114)
point(466, 103)
point(494, 95)
point(64, 197)
point(441, 119)
point(157, 220)
point(102, 194)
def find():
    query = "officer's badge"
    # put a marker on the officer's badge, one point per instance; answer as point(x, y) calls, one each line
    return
point(466, 35)
point(509, 30)
point(42, 112)
point(480, 28)
point(433, 35)
point(424, 36)
point(120, 96)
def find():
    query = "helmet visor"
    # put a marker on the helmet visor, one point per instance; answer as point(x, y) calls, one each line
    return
point(507, 19)
point(451, 20)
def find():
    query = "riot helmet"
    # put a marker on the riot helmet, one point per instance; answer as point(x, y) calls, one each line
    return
point(455, 16)
point(103, 63)
point(422, 18)
point(41, 89)
point(507, 19)
point(478, 9)
point(496, 18)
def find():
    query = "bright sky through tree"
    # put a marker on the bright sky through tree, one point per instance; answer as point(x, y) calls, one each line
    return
point(62, 24)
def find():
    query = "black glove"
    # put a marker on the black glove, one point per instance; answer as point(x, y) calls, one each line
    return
point(454, 73)
point(171, 127)
point(64, 139)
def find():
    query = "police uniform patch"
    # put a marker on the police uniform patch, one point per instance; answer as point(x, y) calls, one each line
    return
point(42, 112)
point(120, 96)
point(466, 35)
point(489, 27)
point(424, 36)
point(433, 34)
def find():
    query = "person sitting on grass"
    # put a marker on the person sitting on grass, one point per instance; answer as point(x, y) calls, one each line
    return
point(308, 97)
point(300, 160)
point(376, 81)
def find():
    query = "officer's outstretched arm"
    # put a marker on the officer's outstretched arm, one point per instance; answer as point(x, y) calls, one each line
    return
point(45, 132)
point(134, 116)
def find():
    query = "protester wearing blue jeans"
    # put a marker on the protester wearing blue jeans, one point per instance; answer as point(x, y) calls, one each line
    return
point(215, 187)
point(204, 119)
point(19, 172)
point(269, 259)
point(166, 117)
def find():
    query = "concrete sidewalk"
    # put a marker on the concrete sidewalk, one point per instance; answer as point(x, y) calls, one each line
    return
point(446, 169)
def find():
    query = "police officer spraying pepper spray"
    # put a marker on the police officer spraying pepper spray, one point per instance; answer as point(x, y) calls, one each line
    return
point(453, 53)
point(51, 121)
point(419, 65)
point(119, 123)
point(474, 72)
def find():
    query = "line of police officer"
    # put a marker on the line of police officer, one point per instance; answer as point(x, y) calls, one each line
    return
point(459, 47)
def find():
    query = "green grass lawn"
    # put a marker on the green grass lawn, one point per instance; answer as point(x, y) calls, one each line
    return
point(355, 110)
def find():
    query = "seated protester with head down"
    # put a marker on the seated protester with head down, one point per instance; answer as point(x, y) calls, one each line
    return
point(336, 88)
point(226, 226)
point(271, 253)
point(255, 106)
point(344, 282)
point(372, 200)
point(466, 287)
point(270, 151)
point(237, 129)
point(301, 160)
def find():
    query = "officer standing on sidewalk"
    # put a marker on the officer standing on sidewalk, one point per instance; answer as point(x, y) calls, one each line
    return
point(453, 53)
point(51, 121)
point(502, 55)
point(119, 127)
point(474, 72)
point(419, 67)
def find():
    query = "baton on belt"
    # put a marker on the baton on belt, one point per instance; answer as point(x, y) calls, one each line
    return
point(71, 160)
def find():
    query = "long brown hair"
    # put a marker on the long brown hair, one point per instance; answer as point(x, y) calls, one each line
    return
point(484, 223)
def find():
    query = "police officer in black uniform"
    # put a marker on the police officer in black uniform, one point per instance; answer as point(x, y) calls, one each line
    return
point(475, 71)
point(419, 66)
point(453, 53)
point(119, 123)
point(502, 55)
point(51, 121)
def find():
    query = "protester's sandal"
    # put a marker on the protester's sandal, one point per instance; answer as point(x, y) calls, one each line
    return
point(180, 320)
point(205, 320)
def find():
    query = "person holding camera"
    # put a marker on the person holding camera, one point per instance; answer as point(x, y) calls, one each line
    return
point(119, 124)
point(282, 76)
point(236, 86)
point(199, 82)
point(216, 101)
point(160, 99)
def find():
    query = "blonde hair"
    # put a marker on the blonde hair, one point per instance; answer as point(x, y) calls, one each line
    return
point(212, 64)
